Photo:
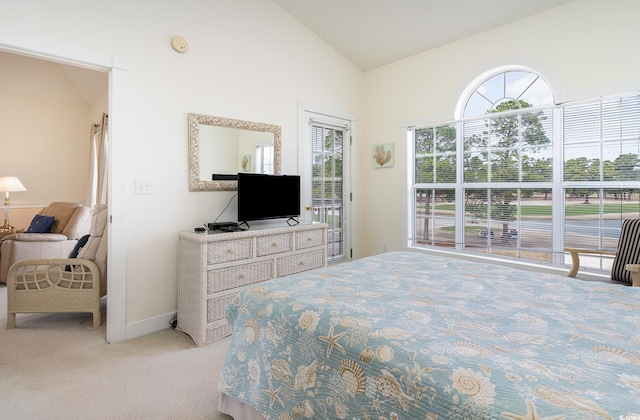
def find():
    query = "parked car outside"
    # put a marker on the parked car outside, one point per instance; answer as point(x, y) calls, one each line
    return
point(484, 233)
point(513, 234)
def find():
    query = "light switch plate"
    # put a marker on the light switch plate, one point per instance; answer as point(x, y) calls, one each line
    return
point(144, 186)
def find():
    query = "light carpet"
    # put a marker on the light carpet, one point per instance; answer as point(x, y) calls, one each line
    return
point(57, 366)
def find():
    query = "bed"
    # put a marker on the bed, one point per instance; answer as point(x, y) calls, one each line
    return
point(404, 335)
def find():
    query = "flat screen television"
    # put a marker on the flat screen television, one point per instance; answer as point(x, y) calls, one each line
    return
point(262, 196)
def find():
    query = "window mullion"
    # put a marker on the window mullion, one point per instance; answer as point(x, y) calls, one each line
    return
point(459, 187)
point(557, 191)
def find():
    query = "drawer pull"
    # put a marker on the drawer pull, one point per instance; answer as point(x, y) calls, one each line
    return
point(301, 263)
point(273, 245)
point(240, 276)
point(228, 251)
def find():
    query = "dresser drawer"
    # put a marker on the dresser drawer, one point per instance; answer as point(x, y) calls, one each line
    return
point(301, 262)
point(216, 332)
point(274, 244)
point(310, 238)
point(217, 305)
point(238, 276)
point(232, 250)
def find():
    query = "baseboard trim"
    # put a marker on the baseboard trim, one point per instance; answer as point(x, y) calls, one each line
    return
point(148, 326)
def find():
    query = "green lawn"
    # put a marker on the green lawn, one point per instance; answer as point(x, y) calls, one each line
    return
point(584, 209)
point(570, 210)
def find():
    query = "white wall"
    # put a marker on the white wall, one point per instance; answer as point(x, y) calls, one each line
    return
point(247, 59)
point(584, 49)
point(44, 132)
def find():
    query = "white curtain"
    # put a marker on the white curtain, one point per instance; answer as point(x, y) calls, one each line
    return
point(98, 161)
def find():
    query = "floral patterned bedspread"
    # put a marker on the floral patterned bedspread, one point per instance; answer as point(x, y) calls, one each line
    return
point(405, 335)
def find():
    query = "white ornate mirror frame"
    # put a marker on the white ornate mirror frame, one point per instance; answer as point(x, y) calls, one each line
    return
point(195, 120)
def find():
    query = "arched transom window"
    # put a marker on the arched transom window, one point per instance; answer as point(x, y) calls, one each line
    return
point(520, 87)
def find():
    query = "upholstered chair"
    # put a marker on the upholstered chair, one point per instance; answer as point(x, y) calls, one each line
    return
point(626, 258)
point(65, 284)
point(70, 222)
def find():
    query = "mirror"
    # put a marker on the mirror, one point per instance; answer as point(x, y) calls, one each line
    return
point(224, 146)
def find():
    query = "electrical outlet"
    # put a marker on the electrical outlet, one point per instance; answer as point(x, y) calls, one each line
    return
point(144, 186)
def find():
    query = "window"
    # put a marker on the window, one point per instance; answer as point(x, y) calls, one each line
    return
point(264, 159)
point(327, 192)
point(517, 86)
point(518, 177)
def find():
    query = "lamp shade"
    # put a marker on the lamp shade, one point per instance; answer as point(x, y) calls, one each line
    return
point(11, 184)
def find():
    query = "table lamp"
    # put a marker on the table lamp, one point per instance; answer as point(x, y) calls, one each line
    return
point(9, 184)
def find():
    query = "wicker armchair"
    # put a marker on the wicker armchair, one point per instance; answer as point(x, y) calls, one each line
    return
point(63, 284)
point(71, 222)
point(626, 262)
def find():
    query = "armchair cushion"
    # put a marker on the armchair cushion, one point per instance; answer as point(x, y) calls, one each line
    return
point(96, 247)
point(40, 224)
point(628, 251)
point(70, 219)
point(35, 237)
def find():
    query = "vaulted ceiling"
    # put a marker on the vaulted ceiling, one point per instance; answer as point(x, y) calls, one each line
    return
point(372, 33)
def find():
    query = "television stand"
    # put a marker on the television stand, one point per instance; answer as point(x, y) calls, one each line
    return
point(212, 269)
point(292, 221)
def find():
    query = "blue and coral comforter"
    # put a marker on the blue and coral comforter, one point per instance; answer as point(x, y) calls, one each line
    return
point(405, 335)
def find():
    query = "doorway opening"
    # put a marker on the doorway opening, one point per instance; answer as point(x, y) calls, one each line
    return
point(44, 49)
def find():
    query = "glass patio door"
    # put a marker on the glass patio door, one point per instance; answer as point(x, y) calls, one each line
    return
point(326, 184)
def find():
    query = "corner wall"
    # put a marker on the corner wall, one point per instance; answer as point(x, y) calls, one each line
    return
point(44, 128)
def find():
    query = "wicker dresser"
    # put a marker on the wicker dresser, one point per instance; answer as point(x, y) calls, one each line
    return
point(213, 267)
